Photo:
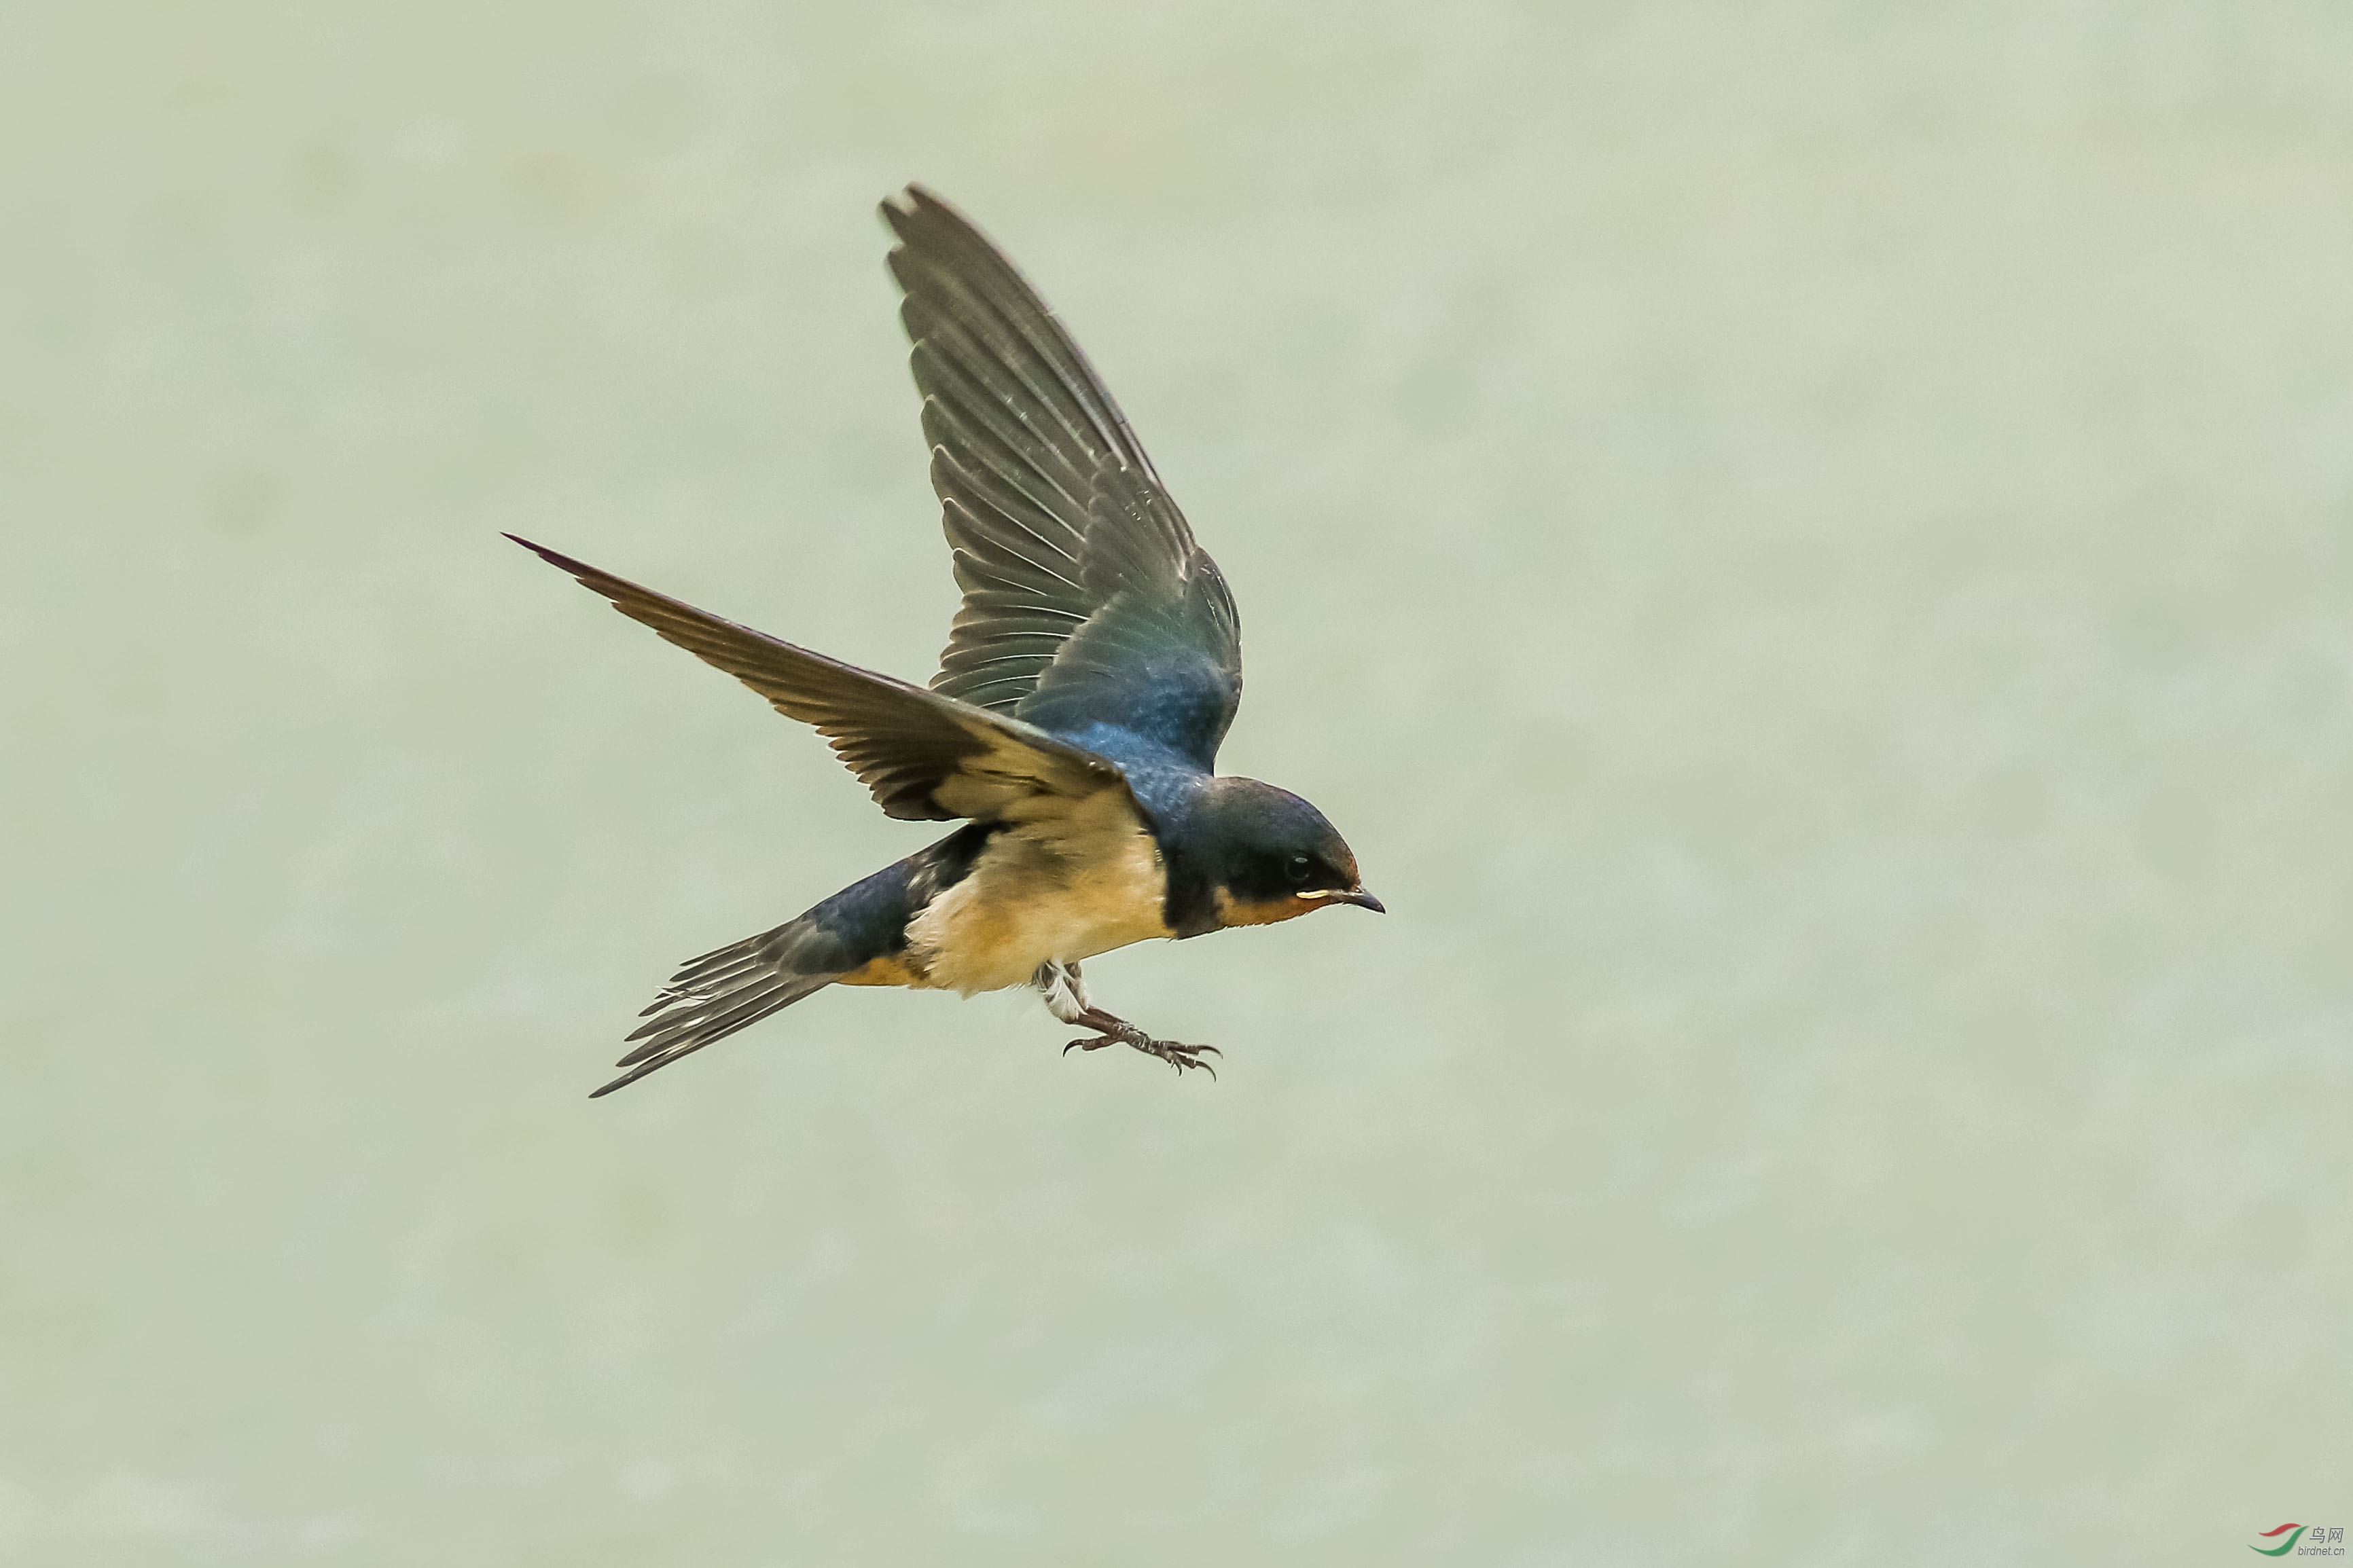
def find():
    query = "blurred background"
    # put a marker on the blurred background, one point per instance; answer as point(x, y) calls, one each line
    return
point(1807, 545)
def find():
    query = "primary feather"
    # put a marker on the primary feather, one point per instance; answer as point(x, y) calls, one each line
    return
point(1086, 599)
point(925, 755)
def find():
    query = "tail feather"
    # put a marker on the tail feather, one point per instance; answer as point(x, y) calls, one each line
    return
point(724, 990)
point(721, 961)
point(720, 992)
point(708, 980)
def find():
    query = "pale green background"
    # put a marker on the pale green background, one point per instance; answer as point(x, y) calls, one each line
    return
point(1808, 546)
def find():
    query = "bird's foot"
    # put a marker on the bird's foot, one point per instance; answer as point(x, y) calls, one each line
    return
point(1117, 1032)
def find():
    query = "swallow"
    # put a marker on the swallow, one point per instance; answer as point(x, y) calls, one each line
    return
point(1090, 675)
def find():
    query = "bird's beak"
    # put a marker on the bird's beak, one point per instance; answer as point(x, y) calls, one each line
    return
point(1362, 900)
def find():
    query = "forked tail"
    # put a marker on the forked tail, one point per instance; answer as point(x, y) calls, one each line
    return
point(716, 994)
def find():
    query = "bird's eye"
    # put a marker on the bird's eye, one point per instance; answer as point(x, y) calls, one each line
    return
point(1297, 869)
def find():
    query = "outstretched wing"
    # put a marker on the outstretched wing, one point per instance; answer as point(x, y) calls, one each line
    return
point(1085, 599)
point(927, 756)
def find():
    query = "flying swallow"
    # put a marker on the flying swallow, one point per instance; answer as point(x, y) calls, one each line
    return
point(1073, 727)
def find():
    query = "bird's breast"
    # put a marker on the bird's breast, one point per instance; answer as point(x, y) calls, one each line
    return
point(1030, 897)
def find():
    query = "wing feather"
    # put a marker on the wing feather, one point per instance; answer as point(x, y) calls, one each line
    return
point(1085, 594)
point(925, 755)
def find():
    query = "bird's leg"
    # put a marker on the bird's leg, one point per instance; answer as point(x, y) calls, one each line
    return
point(1066, 998)
point(1120, 1032)
point(1065, 993)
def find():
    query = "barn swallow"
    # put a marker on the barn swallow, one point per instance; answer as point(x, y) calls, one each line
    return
point(1073, 727)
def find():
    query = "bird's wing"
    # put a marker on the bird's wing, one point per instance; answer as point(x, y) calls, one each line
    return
point(1085, 598)
point(927, 756)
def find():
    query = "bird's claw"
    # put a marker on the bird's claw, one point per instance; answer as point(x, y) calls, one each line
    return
point(1180, 1056)
point(1176, 1053)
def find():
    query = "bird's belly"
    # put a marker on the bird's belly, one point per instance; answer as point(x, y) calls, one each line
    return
point(996, 926)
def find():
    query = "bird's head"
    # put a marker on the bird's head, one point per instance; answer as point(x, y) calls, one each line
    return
point(1271, 855)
